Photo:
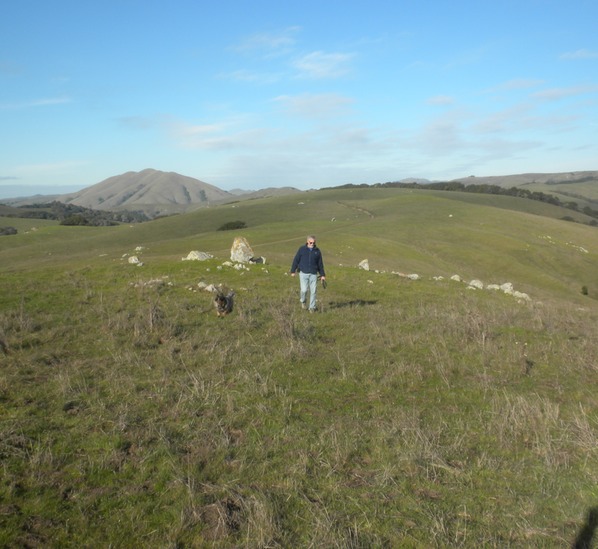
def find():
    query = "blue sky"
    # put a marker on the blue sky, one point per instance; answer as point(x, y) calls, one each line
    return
point(305, 94)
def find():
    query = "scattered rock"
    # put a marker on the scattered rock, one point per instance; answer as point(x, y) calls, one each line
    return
point(241, 251)
point(365, 265)
point(198, 256)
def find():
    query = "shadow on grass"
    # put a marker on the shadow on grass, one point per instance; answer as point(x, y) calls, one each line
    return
point(350, 304)
point(586, 534)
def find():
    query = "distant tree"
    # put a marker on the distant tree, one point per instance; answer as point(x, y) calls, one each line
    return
point(75, 219)
point(5, 231)
point(232, 225)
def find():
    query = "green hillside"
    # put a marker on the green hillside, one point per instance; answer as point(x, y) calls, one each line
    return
point(494, 238)
point(585, 193)
point(405, 413)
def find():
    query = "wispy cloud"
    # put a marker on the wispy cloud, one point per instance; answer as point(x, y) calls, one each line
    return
point(326, 105)
point(223, 135)
point(251, 77)
point(54, 167)
point(9, 68)
point(554, 94)
point(579, 54)
point(516, 84)
point(36, 103)
point(7, 177)
point(440, 100)
point(269, 43)
point(321, 65)
point(523, 118)
point(137, 122)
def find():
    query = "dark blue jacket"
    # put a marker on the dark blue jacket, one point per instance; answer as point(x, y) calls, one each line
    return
point(308, 260)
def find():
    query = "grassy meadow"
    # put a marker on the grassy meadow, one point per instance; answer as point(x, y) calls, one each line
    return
point(405, 413)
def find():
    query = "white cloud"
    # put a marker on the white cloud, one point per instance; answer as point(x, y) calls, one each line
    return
point(137, 122)
point(554, 94)
point(247, 76)
point(501, 120)
point(53, 168)
point(440, 100)
point(579, 54)
point(36, 103)
point(517, 84)
point(320, 65)
point(224, 135)
point(269, 44)
point(309, 105)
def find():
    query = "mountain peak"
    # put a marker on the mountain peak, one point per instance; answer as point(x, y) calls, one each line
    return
point(163, 192)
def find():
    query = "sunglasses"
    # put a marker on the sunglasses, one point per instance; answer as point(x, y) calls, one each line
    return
point(310, 243)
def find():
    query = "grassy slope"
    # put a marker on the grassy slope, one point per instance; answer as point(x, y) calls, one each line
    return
point(584, 193)
point(413, 413)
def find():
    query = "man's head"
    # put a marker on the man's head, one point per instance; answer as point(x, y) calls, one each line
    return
point(311, 240)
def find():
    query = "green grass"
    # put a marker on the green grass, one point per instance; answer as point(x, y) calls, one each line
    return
point(414, 413)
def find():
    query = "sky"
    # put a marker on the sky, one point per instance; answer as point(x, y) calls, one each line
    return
point(310, 94)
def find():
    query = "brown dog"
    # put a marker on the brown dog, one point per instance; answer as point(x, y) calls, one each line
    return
point(224, 303)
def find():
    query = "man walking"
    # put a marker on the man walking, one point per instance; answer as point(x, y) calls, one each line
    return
point(308, 260)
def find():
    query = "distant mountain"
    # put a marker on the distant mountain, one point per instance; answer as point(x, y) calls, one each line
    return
point(263, 193)
point(149, 190)
point(420, 180)
point(569, 187)
point(518, 180)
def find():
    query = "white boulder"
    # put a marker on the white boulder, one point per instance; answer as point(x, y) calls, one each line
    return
point(197, 256)
point(241, 251)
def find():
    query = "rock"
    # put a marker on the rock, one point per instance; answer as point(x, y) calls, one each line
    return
point(522, 296)
point(477, 284)
point(456, 278)
point(134, 260)
point(198, 256)
point(241, 251)
point(365, 265)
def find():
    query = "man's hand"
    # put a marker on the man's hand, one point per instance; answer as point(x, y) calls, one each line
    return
point(292, 274)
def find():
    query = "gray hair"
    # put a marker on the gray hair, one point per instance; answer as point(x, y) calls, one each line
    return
point(311, 236)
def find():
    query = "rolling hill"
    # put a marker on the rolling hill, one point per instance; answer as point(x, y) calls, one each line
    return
point(580, 187)
point(406, 413)
point(152, 192)
point(421, 231)
point(160, 192)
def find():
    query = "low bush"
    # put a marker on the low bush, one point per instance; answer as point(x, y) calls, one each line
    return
point(232, 225)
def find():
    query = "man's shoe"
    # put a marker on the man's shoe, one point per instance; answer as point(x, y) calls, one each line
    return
point(312, 310)
point(303, 306)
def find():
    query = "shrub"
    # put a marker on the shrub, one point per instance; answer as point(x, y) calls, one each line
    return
point(232, 225)
point(7, 230)
point(76, 219)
